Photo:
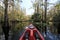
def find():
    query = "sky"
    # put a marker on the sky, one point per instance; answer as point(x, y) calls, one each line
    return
point(28, 4)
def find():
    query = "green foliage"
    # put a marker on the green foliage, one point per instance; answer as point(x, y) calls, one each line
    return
point(18, 16)
point(56, 17)
point(36, 18)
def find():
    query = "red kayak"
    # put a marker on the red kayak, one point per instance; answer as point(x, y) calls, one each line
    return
point(31, 33)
